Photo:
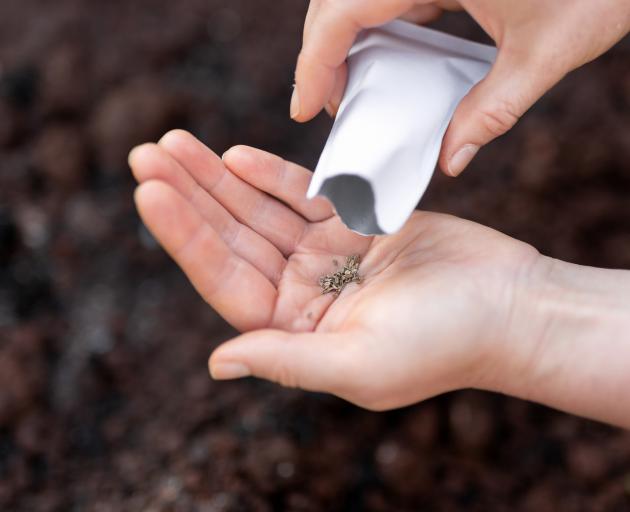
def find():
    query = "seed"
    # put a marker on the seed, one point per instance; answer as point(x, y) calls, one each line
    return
point(335, 282)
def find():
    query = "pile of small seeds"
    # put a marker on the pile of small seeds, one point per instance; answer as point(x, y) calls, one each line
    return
point(335, 282)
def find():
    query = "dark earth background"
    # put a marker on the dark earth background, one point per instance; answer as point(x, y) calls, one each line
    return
point(105, 400)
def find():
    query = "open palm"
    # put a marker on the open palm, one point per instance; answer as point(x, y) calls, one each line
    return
point(433, 303)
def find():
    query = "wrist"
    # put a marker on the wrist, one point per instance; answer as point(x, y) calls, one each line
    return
point(568, 344)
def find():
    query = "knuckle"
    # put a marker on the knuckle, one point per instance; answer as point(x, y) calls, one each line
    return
point(283, 375)
point(499, 120)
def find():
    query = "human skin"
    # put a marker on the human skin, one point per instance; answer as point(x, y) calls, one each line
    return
point(444, 304)
point(539, 42)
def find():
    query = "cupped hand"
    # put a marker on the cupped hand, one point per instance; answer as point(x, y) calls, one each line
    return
point(430, 315)
point(539, 43)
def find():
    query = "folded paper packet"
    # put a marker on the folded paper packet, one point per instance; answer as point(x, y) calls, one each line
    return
point(404, 83)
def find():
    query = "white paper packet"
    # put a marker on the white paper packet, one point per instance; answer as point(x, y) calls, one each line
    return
point(404, 83)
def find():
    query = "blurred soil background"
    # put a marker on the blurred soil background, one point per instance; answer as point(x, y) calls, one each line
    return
point(105, 401)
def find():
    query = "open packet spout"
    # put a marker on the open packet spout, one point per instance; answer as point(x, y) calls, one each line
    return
point(404, 83)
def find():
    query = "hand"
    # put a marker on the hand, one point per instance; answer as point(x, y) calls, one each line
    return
point(433, 312)
point(539, 43)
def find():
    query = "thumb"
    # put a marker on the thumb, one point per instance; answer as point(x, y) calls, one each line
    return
point(311, 361)
point(493, 107)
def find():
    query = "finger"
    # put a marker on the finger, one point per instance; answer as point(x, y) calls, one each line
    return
point(151, 162)
point(279, 178)
point(311, 361)
point(493, 106)
point(233, 287)
point(331, 30)
point(250, 206)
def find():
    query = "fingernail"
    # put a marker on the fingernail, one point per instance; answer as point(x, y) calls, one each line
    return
point(461, 159)
point(229, 370)
point(295, 103)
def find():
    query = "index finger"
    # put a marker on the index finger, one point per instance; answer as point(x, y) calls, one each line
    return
point(331, 28)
